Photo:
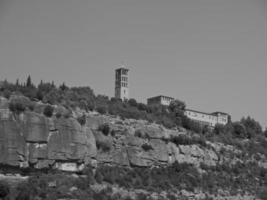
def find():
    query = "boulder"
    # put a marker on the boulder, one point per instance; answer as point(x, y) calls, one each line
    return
point(42, 164)
point(3, 103)
point(94, 121)
point(69, 166)
point(160, 150)
point(191, 150)
point(134, 141)
point(37, 151)
point(138, 158)
point(151, 131)
point(120, 157)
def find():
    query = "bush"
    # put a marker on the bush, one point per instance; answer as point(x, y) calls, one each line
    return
point(4, 189)
point(263, 193)
point(82, 120)
point(48, 111)
point(187, 140)
point(98, 177)
point(58, 115)
point(147, 147)
point(101, 109)
point(19, 104)
point(105, 145)
point(104, 128)
point(240, 130)
point(132, 102)
point(253, 127)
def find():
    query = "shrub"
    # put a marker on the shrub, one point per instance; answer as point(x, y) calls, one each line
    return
point(19, 104)
point(58, 114)
point(105, 145)
point(4, 189)
point(104, 128)
point(191, 125)
point(240, 130)
point(82, 120)
point(132, 102)
point(101, 109)
point(262, 194)
point(48, 111)
point(98, 177)
point(147, 147)
point(253, 127)
point(142, 106)
point(218, 129)
point(187, 140)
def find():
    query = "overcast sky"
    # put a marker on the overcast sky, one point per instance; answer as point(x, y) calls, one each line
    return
point(210, 53)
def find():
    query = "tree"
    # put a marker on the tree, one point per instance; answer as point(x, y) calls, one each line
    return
point(29, 82)
point(132, 102)
point(17, 83)
point(48, 111)
point(253, 127)
point(63, 86)
point(219, 129)
point(240, 130)
point(142, 106)
point(44, 89)
point(82, 120)
point(177, 106)
point(265, 132)
point(4, 189)
point(19, 104)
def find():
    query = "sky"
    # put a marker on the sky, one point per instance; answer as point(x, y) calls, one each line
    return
point(212, 54)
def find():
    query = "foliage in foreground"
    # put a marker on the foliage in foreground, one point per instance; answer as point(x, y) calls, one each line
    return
point(235, 178)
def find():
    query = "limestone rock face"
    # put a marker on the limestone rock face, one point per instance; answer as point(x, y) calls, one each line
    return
point(94, 122)
point(3, 103)
point(152, 131)
point(12, 143)
point(138, 158)
point(70, 142)
point(160, 150)
point(37, 152)
point(31, 139)
point(36, 127)
point(4, 110)
point(120, 157)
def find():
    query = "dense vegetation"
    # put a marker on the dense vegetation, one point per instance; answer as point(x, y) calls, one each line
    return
point(234, 179)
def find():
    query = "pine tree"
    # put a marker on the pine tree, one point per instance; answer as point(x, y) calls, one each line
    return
point(29, 82)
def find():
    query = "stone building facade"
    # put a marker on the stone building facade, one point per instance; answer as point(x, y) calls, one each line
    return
point(160, 100)
point(122, 83)
point(209, 119)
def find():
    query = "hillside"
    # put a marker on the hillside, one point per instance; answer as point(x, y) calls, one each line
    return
point(119, 158)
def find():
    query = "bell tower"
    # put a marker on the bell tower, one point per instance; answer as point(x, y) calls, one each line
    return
point(122, 83)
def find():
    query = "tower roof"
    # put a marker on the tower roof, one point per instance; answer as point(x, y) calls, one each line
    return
point(122, 67)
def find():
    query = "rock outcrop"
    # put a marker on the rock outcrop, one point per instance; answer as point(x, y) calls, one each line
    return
point(31, 139)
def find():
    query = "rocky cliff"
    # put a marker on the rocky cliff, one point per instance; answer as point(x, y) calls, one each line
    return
point(30, 139)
